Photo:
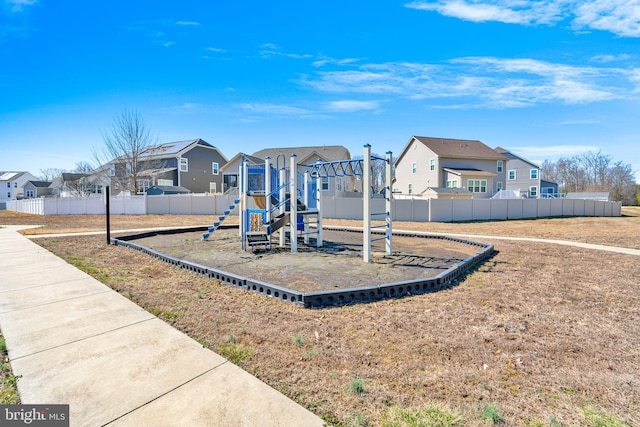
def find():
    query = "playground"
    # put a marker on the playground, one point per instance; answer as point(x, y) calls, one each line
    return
point(337, 265)
point(282, 250)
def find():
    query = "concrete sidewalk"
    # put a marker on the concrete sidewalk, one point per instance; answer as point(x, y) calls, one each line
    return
point(75, 341)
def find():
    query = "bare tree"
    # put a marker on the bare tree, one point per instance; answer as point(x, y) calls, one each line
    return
point(378, 171)
point(593, 172)
point(84, 167)
point(126, 142)
point(49, 174)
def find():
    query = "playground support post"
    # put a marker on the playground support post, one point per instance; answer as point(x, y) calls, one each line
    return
point(267, 189)
point(388, 202)
point(283, 205)
point(305, 189)
point(293, 202)
point(244, 174)
point(318, 196)
point(366, 205)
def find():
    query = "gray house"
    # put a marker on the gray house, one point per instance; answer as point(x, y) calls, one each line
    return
point(193, 164)
point(524, 177)
point(11, 186)
point(428, 163)
point(33, 189)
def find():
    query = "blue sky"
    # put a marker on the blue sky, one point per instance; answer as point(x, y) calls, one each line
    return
point(544, 79)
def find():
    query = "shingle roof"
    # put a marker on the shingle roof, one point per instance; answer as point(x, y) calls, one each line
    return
point(460, 148)
point(40, 184)
point(328, 153)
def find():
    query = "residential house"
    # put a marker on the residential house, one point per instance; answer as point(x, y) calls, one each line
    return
point(11, 186)
point(34, 189)
point(428, 163)
point(71, 184)
point(524, 178)
point(193, 164)
point(280, 157)
point(231, 170)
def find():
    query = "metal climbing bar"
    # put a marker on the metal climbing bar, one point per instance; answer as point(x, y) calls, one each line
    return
point(337, 168)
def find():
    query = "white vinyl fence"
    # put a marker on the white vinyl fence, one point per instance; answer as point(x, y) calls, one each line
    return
point(421, 210)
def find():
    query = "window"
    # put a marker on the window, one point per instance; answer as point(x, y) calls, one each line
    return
point(213, 188)
point(8, 185)
point(184, 164)
point(29, 194)
point(512, 175)
point(8, 194)
point(338, 183)
point(499, 185)
point(432, 164)
point(534, 173)
point(477, 185)
point(533, 191)
point(414, 167)
point(452, 184)
point(129, 168)
point(500, 166)
point(142, 185)
point(215, 168)
point(15, 185)
point(410, 188)
point(325, 183)
point(112, 170)
point(165, 182)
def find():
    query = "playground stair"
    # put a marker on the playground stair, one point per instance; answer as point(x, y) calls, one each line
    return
point(221, 219)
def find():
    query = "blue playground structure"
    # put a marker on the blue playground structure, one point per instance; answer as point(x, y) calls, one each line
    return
point(289, 202)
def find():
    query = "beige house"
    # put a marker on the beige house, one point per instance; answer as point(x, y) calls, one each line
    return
point(431, 163)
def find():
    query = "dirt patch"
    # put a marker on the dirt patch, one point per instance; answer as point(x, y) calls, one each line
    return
point(336, 265)
point(540, 334)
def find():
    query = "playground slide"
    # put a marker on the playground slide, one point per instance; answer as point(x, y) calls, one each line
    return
point(280, 222)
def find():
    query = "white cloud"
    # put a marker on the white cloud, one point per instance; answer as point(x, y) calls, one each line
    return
point(168, 44)
point(603, 59)
point(621, 17)
point(18, 5)
point(507, 11)
point(188, 23)
point(215, 49)
point(483, 82)
point(273, 109)
point(578, 122)
point(350, 106)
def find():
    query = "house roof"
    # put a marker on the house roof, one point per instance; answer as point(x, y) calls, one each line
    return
point(251, 159)
point(7, 176)
point(504, 151)
point(67, 176)
point(327, 153)
point(40, 184)
point(168, 189)
point(176, 148)
point(470, 172)
point(455, 148)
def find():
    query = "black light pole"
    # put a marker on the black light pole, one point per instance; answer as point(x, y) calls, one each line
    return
point(107, 197)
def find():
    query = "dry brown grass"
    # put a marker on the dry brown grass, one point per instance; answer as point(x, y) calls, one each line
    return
point(547, 334)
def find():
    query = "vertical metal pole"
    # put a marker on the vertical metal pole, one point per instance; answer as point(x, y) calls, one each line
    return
point(366, 205)
point(319, 206)
point(293, 202)
point(267, 190)
point(283, 197)
point(245, 205)
point(107, 200)
point(388, 202)
point(305, 189)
